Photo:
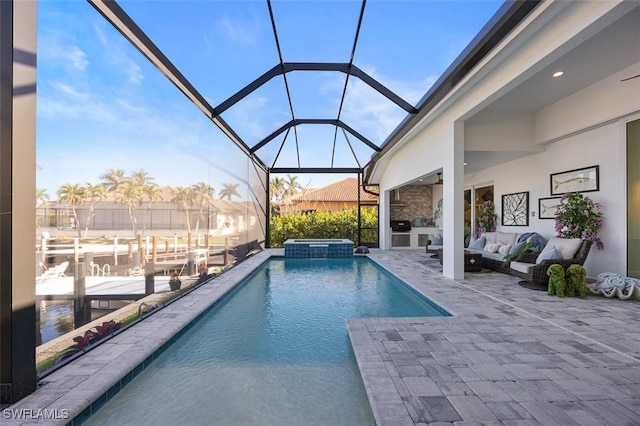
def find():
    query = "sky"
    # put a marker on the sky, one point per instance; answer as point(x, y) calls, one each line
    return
point(101, 105)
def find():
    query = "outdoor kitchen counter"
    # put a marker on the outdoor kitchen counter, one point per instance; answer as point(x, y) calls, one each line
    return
point(413, 239)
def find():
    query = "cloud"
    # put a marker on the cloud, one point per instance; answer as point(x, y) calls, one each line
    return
point(53, 48)
point(68, 90)
point(77, 58)
point(255, 117)
point(236, 30)
point(116, 55)
point(372, 114)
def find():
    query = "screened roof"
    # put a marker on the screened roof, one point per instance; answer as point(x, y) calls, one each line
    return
point(313, 85)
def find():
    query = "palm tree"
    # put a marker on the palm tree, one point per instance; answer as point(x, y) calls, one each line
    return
point(292, 186)
point(112, 179)
point(229, 191)
point(142, 178)
point(277, 189)
point(73, 194)
point(203, 194)
point(41, 196)
point(152, 193)
point(130, 193)
point(183, 197)
point(94, 194)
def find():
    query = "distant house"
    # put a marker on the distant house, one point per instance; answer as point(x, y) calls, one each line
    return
point(218, 217)
point(332, 198)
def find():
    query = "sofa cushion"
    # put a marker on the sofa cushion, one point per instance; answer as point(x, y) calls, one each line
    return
point(492, 247)
point(490, 237)
point(504, 249)
point(520, 266)
point(477, 244)
point(506, 238)
point(566, 247)
point(493, 256)
point(548, 254)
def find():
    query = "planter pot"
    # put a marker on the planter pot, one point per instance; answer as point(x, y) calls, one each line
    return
point(174, 285)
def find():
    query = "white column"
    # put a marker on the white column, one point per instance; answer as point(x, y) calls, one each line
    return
point(453, 205)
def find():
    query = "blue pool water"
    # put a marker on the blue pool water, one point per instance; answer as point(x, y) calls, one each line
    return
point(275, 352)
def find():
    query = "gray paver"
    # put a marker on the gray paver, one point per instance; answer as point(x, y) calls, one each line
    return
point(510, 357)
point(489, 392)
point(472, 408)
point(422, 386)
point(431, 409)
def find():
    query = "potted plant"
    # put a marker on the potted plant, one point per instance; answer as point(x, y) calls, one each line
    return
point(174, 282)
point(579, 217)
point(486, 220)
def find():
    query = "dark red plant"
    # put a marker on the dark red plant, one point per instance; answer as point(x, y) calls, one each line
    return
point(106, 328)
point(85, 340)
point(89, 337)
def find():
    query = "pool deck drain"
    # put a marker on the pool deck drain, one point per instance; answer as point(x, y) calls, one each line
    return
point(508, 355)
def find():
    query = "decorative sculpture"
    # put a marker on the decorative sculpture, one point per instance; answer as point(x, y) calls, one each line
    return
point(611, 284)
point(557, 282)
point(577, 281)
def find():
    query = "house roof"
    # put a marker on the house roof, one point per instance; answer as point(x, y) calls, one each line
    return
point(343, 190)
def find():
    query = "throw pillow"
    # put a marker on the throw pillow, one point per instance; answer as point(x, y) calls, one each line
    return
point(477, 244)
point(517, 247)
point(504, 249)
point(548, 255)
point(492, 247)
point(567, 247)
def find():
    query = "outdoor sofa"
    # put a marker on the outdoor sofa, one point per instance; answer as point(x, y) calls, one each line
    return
point(532, 267)
point(494, 246)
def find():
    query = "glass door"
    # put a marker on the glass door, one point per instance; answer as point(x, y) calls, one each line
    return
point(633, 199)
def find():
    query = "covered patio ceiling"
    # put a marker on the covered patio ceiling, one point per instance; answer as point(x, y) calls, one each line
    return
point(334, 84)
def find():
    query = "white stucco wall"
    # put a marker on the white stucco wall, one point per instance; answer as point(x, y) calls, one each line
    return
point(603, 146)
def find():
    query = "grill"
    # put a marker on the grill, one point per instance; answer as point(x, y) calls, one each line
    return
point(400, 225)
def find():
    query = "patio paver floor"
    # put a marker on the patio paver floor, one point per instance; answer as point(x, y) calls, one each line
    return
point(508, 355)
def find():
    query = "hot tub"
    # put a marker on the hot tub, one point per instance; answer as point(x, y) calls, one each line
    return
point(318, 248)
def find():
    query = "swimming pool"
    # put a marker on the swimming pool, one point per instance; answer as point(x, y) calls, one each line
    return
point(275, 351)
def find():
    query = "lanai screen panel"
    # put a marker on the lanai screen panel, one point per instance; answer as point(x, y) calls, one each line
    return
point(407, 45)
point(224, 48)
point(122, 153)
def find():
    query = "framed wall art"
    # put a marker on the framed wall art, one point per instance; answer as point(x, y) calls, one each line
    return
point(515, 209)
point(579, 180)
point(547, 207)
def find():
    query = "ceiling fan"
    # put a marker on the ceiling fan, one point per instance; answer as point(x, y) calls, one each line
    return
point(629, 78)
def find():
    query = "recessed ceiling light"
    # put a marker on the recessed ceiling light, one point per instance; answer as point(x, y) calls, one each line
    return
point(465, 163)
point(558, 74)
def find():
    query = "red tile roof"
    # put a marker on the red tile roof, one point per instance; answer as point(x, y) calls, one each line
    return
point(344, 190)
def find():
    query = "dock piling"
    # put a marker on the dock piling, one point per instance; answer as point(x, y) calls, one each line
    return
point(81, 309)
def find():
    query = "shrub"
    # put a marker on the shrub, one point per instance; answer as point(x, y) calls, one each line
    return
point(321, 224)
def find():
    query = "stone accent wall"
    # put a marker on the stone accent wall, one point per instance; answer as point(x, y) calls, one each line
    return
point(415, 201)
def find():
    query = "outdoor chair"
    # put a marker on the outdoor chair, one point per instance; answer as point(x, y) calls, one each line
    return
point(535, 274)
point(53, 272)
